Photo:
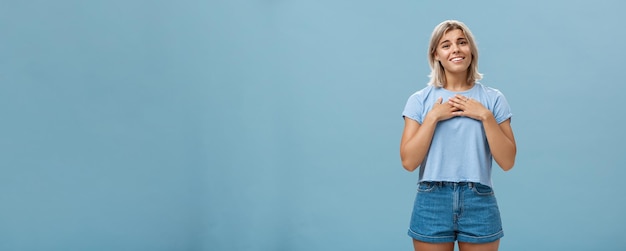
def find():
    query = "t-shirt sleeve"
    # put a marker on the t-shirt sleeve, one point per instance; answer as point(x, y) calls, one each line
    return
point(501, 110)
point(413, 109)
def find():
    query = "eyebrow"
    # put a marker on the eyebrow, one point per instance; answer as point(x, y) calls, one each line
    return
point(445, 41)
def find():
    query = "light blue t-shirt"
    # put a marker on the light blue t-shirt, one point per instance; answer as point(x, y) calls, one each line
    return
point(459, 150)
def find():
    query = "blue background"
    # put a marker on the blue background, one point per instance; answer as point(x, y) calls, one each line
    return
point(275, 124)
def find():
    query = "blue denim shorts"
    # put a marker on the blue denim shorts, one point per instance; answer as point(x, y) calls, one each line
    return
point(451, 211)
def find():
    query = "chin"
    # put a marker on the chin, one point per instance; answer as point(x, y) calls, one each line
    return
point(457, 69)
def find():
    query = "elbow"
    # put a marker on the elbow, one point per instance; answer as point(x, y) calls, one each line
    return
point(410, 166)
point(507, 166)
point(409, 162)
point(507, 162)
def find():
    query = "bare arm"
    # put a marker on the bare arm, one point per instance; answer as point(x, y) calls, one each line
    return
point(415, 142)
point(416, 138)
point(501, 141)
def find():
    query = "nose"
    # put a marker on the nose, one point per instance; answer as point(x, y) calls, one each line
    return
point(455, 48)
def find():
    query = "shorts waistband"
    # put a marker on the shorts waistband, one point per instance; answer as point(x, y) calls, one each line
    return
point(451, 183)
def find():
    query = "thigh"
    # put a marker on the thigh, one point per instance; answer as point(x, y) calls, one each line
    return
point(491, 246)
point(425, 246)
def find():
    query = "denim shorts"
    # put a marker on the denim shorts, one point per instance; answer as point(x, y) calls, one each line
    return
point(451, 211)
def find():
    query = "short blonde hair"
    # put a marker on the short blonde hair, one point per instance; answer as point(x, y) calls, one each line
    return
point(437, 74)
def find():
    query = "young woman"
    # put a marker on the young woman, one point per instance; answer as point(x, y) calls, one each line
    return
point(453, 129)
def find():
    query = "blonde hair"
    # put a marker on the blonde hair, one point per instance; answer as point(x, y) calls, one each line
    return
point(437, 73)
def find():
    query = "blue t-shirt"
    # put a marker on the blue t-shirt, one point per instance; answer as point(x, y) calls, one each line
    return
point(459, 150)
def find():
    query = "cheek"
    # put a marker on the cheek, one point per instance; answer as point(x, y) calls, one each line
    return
point(468, 51)
point(440, 55)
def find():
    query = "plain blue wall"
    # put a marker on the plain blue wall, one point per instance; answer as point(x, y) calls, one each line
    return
point(275, 124)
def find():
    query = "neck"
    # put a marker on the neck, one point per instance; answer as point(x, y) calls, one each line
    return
point(457, 82)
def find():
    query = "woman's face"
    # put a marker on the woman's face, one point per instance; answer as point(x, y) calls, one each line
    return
point(453, 51)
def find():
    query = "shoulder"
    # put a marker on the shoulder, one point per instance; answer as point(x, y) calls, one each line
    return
point(490, 91)
point(423, 93)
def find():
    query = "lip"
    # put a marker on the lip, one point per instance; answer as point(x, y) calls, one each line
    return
point(457, 59)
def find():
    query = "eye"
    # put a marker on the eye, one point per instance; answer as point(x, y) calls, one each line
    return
point(445, 46)
point(463, 42)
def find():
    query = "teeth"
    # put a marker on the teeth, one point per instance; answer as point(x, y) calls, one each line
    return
point(456, 59)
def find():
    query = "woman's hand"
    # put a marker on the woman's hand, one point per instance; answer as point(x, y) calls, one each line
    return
point(469, 108)
point(442, 111)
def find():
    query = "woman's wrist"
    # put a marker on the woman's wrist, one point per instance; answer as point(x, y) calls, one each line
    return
point(430, 120)
point(486, 116)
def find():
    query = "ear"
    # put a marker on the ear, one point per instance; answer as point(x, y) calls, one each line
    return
point(436, 56)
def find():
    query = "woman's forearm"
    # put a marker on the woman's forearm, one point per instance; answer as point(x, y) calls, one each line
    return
point(501, 142)
point(416, 144)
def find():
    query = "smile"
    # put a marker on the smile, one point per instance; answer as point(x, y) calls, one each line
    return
point(457, 59)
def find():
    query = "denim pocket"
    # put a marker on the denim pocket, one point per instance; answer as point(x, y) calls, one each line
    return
point(480, 189)
point(425, 186)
